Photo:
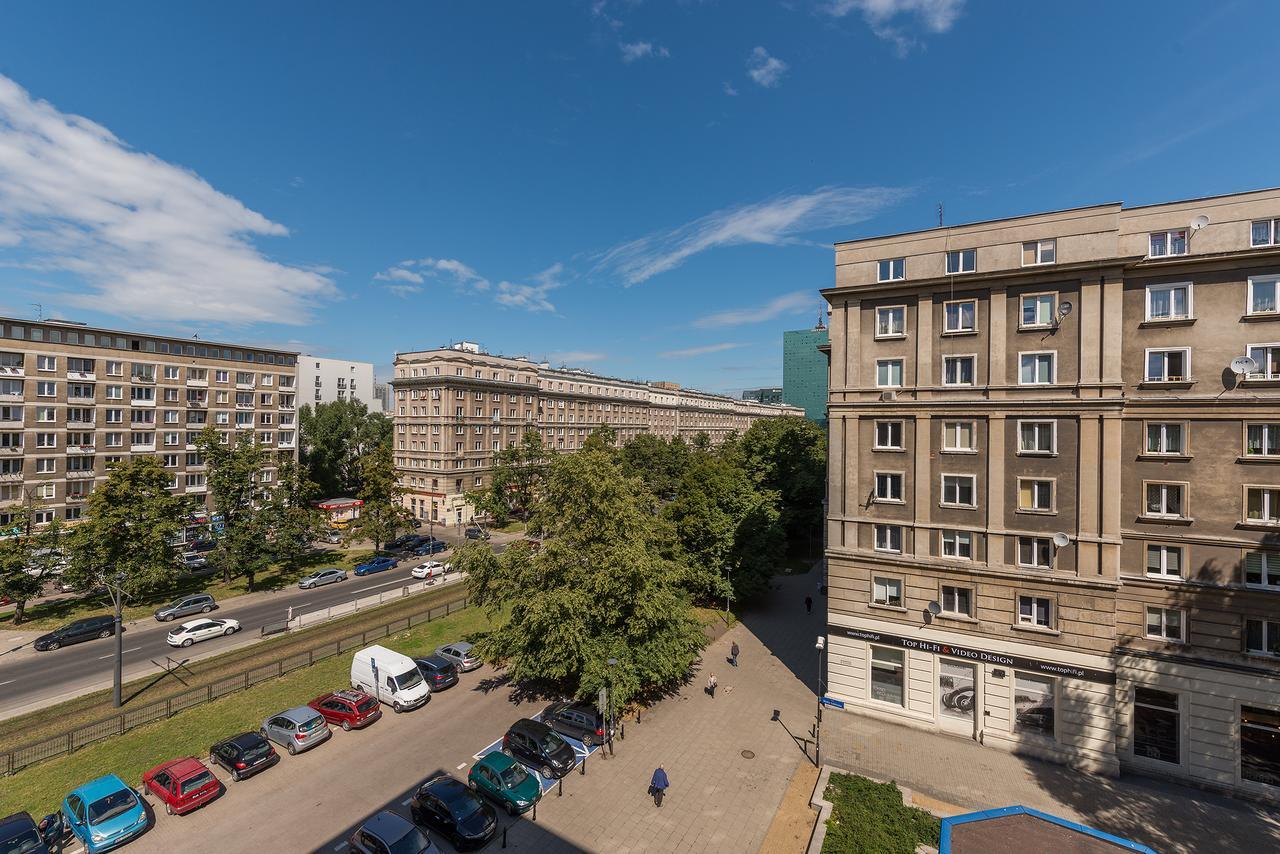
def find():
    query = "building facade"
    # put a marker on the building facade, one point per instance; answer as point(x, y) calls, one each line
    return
point(804, 371)
point(327, 380)
point(1054, 501)
point(771, 395)
point(74, 399)
point(457, 406)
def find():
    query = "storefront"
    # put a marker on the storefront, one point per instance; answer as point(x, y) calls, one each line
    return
point(340, 510)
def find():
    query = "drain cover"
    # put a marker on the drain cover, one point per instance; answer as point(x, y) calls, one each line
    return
point(748, 754)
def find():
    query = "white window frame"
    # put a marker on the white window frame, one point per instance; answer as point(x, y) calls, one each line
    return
point(1269, 428)
point(900, 263)
point(1268, 571)
point(947, 329)
point(956, 359)
point(1035, 551)
point(951, 432)
point(1270, 504)
point(953, 612)
point(1265, 373)
point(1162, 569)
point(950, 540)
point(1163, 616)
point(1270, 628)
point(875, 435)
point(1168, 243)
point(1273, 232)
point(1032, 617)
point(1163, 513)
point(888, 582)
point(1172, 286)
point(1035, 494)
point(1035, 423)
point(890, 478)
point(1038, 296)
point(1146, 365)
point(961, 255)
point(1038, 248)
point(889, 311)
point(886, 544)
point(959, 476)
point(1053, 367)
point(886, 363)
point(1163, 450)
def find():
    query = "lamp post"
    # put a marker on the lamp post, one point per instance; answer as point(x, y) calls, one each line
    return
point(117, 599)
point(817, 733)
point(608, 718)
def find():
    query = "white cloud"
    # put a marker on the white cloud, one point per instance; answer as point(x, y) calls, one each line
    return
point(765, 69)
point(579, 356)
point(937, 16)
point(639, 50)
point(403, 291)
point(400, 274)
point(698, 351)
point(729, 90)
point(410, 277)
point(531, 297)
point(150, 239)
point(796, 302)
point(772, 222)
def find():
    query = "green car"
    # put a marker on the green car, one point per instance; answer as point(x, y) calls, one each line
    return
point(505, 780)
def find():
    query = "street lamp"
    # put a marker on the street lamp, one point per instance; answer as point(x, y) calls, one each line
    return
point(117, 599)
point(817, 733)
point(608, 718)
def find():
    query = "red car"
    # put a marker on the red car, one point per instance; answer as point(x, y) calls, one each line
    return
point(183, 785)
point(347, 709)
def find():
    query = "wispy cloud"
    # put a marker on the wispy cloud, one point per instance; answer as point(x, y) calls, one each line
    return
point(578, 356)
point(765, 69)
point(937, 16)
point(413, 276)
point(772, 222)
point(729, 90)
point(796, 302)
point(698, 351)
point(149, 239)
point(640, 50)
point(531, 297)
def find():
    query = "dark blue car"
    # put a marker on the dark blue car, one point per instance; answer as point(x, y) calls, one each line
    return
point(430, 547)
point(377, 564)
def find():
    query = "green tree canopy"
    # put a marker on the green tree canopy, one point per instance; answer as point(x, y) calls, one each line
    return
point(238, 494)
point(516, 479)
point(15, 582)
point(789, 457)
point(335, 436)
point(383, 512)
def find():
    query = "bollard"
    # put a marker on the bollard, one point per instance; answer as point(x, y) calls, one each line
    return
point(622, 732)
point(504, 837)
point(535, 811)
point(560, 788)
point(638, 712)
point(610, 747)
point(582, 769)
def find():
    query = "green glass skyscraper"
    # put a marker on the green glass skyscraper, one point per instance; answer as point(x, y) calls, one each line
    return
point(804, 371)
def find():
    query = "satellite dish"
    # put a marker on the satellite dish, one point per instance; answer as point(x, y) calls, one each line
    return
point(1061, 540)
point(1243, 365)
point(934, 608)
point(1064, 308)
point(1199, 222)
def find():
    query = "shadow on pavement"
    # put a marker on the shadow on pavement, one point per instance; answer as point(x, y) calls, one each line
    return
point(779, 622)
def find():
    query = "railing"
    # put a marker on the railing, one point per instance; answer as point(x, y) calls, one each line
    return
point(118, 724)
point(342, 609)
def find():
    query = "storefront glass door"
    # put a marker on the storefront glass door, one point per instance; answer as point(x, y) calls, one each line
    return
point(957, 695)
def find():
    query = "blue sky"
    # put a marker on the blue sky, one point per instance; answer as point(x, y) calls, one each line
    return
point(645, 189)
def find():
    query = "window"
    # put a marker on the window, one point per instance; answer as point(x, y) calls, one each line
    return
point(891, 321)
point(1262, 294)
point(1035, 496)
point(170, 372)
point(1262, 440)
point(892, 269)
point(889, 435)
point(887, 591)
point(957, 370)
point(1164, 561)
point(1036, 368)
point(962, 261)
point(888, 486)
point(889, 538)
point(1039, 252)
point(46, 363)
point(1262, 637)
point(1262, 569)
point(1164, 623)
point(960, 316)
point(1038, 310)
point(1169, 302)
point(1035, 611)
point(887, 675)
point(1037, 437)
point(957, 601)
point(1264, 232)
point(959, 490)
point(1169, 366)
point(46, 389)
point(1260, 745)
point(115, 369)
point(1157, 732)
point(957, 544)
point(46, 465)
point(889, 373)
point(1268, 358)
point(1035, 552)
point(1164, 499)
point(1033, 704)
point(1165, 438)
point(1166, 243)
point(957, 436)
point(1262, 505)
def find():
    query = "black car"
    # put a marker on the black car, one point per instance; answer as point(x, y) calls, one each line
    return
point(404, 543)
point(19, 833)
point(449, 808)
point(539, 747)
point(581, 721)
point(477, 534)
point(437, 671)
point(202, 546)
point(244, 755)
point(81, 630)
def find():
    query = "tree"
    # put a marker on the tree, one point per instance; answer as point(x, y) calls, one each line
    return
point(383, 512)
point(516, 479)
point(15, 581)
point(238, 495)
point(335, 436)
point(598, 589)
point(789, 457)
point(657, 462)
point(291, 514)
point(601, 438)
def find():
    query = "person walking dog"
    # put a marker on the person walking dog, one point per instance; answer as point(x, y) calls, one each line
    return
point(711, 685)
point(733, 654)
point(658, 785)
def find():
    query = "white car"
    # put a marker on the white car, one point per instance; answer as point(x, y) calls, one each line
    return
point(198, 630)
point(430, 569)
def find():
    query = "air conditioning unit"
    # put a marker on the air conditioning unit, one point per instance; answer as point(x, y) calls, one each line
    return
point(888, 395)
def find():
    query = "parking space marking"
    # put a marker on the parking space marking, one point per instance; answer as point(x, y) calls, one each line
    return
point(580, 750)
point(113, 655)
point(459, 768)
point(6, 682)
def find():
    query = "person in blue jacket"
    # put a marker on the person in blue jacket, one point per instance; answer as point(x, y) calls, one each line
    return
point(658, 785)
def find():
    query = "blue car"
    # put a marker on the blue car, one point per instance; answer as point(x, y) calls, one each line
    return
point(431, 547)
point(377, 565)
point(104, 814)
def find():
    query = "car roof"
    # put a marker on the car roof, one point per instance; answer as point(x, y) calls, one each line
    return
point(189, 623)
point(181, 768)
point(108, 784)
point(434, 661)
point(529, 725)
point(297, 713)
point(461, 646)
point(244, 740)
point(11, 824)
point(448, 789)
point(497, 760)
point(387, 825)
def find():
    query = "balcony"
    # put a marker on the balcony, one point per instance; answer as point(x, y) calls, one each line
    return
point(13, 477)
point(10, 371)
point(197, 490)
point(198, 467)
point(11, 425)
point(244, 406)
point(142, 403)
point(204, 383)
point(88, 376)
point(82, 399)
point(81, 475)
point(197, 404)
point(245, 386)
point(137, 449)
point(74, 450)
point(143, 380)
point(77, 498)
point(12, 450)
point(287, 446)
point(286, 407)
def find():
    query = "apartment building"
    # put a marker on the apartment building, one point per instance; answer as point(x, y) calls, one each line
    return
point(457, 406)
point(327, 380)
point(74, 399)
point(1054, 500)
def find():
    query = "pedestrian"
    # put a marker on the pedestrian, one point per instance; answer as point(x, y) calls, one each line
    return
point(733, 654)
point(711, 685)
point(808, 604)
point(658, 785)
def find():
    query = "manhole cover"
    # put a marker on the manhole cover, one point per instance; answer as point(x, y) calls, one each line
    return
point(748, 754)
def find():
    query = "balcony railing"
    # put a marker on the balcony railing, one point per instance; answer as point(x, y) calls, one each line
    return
point(80, 449)
point(80, 475)
point(142, 403)
point(10, 371)
point(144, 447)
point(75, 498)
point(82, 375)
point(151, 380)
point(11, 477)
point(194, 489)
point(204, 383)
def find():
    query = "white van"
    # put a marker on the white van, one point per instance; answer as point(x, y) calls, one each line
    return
point(390, 676)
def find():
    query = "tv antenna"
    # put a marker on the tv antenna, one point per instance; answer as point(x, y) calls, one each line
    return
point(39, 310)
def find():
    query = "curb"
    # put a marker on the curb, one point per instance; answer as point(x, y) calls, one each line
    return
point(824, 807)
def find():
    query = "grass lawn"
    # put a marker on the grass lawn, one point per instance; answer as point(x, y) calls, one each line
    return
point(40, 788)
point(51, 615)
point(870, 818)
point(515, 526)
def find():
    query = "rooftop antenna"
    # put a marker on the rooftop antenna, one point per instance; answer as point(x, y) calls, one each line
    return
point(39, 310)
point(820, 324)
point(939, 214)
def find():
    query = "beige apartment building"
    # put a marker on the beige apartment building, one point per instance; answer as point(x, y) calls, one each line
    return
point(456, 406)
point(1054, 486)
point(74, 399)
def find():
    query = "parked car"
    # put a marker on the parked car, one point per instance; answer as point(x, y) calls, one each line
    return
point(77, 632)
point(451, 809)
point(539, 747)
point(5, 600)
point(328, 575)
point(503, 779)
point(431, 547)
point(244, 755)
point(460, 654)
point(377, 564)
point(296, 729)
point(430, 569)
point(474, 533)
point(332, 536)
point(390, 676)
point(581, 721)
point(388, 832)
point(19, 834)
point(192, 561)
point(104, 813)
point(199, 630)
point(182, 785)
point(202, 546)
point(438, 671)
point(404, 542)
point(349, 709)
point(199, 603)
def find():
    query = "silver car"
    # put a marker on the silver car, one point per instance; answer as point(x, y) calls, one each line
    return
point(328, 575)
point(297, 729)
point(197, 603)
point(460, 654)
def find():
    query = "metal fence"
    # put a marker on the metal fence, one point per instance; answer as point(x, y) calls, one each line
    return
point(127, 719)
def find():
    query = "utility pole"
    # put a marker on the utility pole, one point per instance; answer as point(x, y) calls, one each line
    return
point(115, 587)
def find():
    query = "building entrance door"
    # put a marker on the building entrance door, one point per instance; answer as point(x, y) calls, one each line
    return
point(957, 696)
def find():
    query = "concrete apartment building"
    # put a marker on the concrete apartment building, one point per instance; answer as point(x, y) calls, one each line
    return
point(74, 399)
point(327, 380)
point(1054, 500)
point(804, 371)
point(457, 406)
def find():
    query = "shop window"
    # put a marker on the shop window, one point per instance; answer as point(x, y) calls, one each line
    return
point(1156, 725)
point(888, 668)
point(1260, 745)
point(956, 690)
point(1033, 704)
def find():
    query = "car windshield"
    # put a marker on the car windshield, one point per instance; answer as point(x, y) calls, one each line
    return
point(27, 842)
point(551, 742)
point(111, 806)
point(410, 679)
point(412, 842)
point(256, 752)
point(308, 726)
point(514, 776)
point(190, 785)
point(367, 706)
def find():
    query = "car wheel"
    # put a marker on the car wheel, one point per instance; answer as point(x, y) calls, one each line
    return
point(396, 707)
point(206, 609)
point(231, 630)
point(105, 633)
point(187, 642)
point(235, 776)
point(168, 808)
point(168, 618)
point(346, 726)
point(293, 750)
point(52, 646)
point(471, 784)
point(547, 773)
point(511, 809)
